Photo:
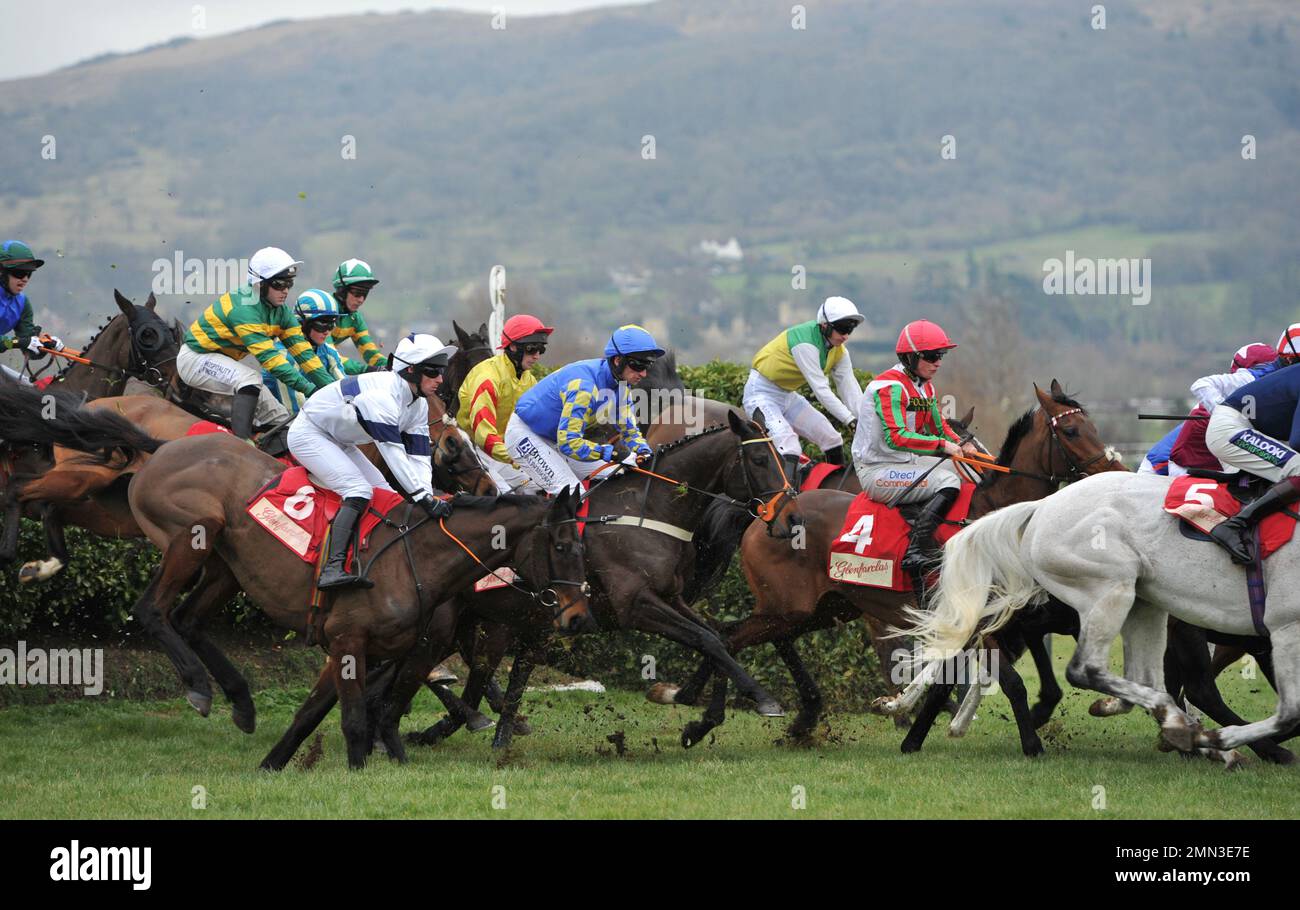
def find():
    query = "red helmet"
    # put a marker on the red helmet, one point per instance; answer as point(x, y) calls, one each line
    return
point(1252, 355)
point(922, 335)
point(523, 328)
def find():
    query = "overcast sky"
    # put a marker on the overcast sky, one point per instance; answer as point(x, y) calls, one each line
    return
point(57, 33)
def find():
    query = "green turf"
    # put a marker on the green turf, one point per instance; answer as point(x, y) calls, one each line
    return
point(119, 759)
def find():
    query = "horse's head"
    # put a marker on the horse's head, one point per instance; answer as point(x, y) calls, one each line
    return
point(761, 480)
point(455, 464)
point(558, 558)
point(148, 345)
point(1070, 442)
point(471, 350)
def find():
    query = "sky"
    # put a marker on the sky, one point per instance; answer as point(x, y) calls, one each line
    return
point(58, 33)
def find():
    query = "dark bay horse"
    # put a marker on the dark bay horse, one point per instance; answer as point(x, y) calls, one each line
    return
point(639, 572)
point(795, 596)
point(471, 350)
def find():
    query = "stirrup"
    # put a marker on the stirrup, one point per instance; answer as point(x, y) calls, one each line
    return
point(342, 579)
point(1239, 546)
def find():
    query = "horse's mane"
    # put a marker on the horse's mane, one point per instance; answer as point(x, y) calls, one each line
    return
point(486, 503)
point(678, 443)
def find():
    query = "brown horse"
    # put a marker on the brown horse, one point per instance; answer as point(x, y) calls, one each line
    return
point(471, 350)
point(189, 499)
point(1047, 446)
point(641, 564)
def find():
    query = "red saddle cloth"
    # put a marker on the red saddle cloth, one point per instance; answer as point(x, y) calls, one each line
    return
point(875, 537)
point(204, 427)
point(818, 474)
point(1204, 504)
point(298, 513)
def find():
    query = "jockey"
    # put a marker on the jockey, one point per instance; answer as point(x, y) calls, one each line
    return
point(16, 266)
point(1251, 362)
point(489, 393)
point(390, 409)
point(901, 432)
point(546, 437)
point(353, 282)
point(248, 321)
point(807, 353)
point(317, 313)
point(1246, 432)
point(1157, 459)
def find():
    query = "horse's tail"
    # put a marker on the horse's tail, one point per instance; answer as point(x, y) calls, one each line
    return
point(983, 581)
point(46, 418)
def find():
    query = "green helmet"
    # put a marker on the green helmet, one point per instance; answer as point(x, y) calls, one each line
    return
point(14, 254)
point(354, 272)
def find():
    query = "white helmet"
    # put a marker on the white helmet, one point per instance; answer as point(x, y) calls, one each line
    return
point(837, 308)
point(270, 261)
point(416, 350)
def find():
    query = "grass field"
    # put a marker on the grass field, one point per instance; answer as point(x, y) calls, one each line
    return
point(119, 759)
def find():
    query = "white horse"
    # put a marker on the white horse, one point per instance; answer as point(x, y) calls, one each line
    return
point(1106, 547)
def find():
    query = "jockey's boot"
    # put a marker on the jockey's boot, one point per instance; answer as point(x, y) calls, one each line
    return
point(345, 522)
point(1235, 536)
point(918, 555)
point(242, 411)
point(834, 455)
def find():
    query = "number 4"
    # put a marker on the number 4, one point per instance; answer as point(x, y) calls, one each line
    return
point(860, 536)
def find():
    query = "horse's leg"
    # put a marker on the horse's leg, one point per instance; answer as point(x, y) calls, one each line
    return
point(810, 697)
point(662, 693)
point(1049, 690)
point(348, 663)
point(887, 660)
point(13, 511)
point(714, 715)
point(1144, 628)
point(936, 696)
point(1004, 665)
point(215, 588)
point(181, 562)
point(483, 652)
point(55, 545)
point(523, 666)
point(308, 717)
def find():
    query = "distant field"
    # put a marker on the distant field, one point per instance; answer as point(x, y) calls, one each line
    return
point(144, 760)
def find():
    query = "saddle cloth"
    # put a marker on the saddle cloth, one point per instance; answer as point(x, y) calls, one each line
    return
point(298, 513)
point(819, 474)
point(1205, 503)
point(204, 427)
point(875, 537)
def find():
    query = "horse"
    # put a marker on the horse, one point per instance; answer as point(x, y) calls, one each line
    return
point(656, 515)
point(1106, 548)
point(794, 595)
point(471, 350)
point(189, 498)
point(135, 347)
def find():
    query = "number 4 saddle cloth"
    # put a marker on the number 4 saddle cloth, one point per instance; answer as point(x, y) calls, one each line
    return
point(298, 513)
point(875, 537)
point(1204, 503)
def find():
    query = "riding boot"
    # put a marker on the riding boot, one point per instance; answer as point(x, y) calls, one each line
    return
point(242, 411)
point(1235, 535)
point(334, 575)
point(834, 455)
point(918, 555)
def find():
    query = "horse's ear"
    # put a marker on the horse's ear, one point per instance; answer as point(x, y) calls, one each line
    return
point(460, 335)
point(126, 306)
point(737, 424)
point(482, 331)
point(1057, 391)
point(970, 416)
point(1044, 399)
point(151, 304)
point(757, 417)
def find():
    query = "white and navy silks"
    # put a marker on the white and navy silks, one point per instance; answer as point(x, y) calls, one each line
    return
point(371, 407)
point(1257, 427)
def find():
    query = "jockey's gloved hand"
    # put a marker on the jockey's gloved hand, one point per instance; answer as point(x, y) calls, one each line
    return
point(32, 347)
point(606, 452)
point(53, 341)
point(434, 507)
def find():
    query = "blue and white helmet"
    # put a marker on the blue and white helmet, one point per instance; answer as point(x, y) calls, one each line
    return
point(632, 339)
point(316, 304)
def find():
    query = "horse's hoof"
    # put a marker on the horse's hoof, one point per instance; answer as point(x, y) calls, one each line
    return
point(1232, 760)
point(42, 570)
point(689, 738)
point(245, 721)
point(479, 722)
point(663, 693)
point(908, 747)
point(886, 705)
point(1033, 750)
point(200, 702)
point(1179, 736)
point(1107, 707)
point(768, 707)
point(522, 727)
point(441, 676)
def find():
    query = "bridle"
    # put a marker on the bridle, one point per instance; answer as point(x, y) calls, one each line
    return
point(1076, 469)
point(146, 340)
